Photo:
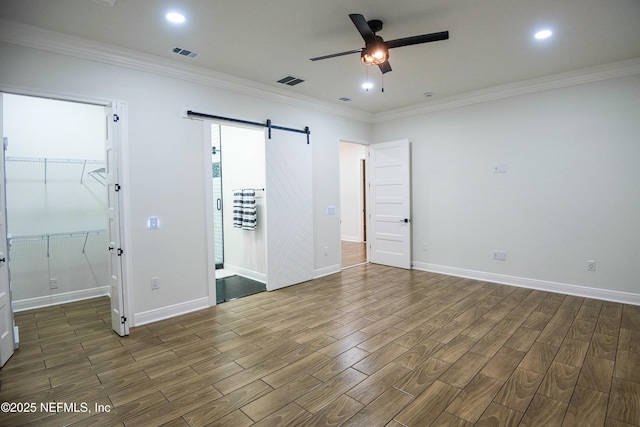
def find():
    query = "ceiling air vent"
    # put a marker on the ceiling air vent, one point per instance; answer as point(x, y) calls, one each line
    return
point(185, 52)
point(109, 3)
point(290, 81)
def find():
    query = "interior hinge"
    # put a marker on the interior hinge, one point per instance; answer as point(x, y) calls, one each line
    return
point(116, 117)
point(117, 187)
point(120, 251)
point(123, 319)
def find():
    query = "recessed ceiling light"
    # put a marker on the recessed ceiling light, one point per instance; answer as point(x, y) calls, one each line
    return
point(175, 17)
point(543, 34)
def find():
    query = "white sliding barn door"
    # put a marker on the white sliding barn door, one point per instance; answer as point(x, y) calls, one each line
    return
point(390, 204)
point(289, 209)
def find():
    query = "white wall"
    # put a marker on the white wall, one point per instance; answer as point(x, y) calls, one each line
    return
point(243, 166)
point(166, 173)
point(570, 194)
point(351, 205)
point(69, 202)
point(40, 127)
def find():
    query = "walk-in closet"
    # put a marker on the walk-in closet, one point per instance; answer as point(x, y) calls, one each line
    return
point(56, 200)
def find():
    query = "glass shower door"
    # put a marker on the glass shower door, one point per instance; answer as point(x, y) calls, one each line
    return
point(216, 174)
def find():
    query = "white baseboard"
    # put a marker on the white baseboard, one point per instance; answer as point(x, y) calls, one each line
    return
point(523, 282)
point(325, 271)
point(162, 313)
point(61, 298)
point(249, 274)
point(355, 239)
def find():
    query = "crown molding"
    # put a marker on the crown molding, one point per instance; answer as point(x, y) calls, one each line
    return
point(555, 81)
point(51, 41)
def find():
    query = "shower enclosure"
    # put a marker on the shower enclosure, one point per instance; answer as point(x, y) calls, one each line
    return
point(216, 174)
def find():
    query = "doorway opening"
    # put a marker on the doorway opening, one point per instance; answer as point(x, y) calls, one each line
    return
point(353, 202)
point(56, 201)
point(238, 176)
point(60, 182)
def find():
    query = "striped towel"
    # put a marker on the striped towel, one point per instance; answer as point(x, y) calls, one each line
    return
point(244, 209)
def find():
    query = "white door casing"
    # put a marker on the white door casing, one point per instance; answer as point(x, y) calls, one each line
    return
point(119, 321)
point(289, 209)
point(6, 312)
point(390, 204)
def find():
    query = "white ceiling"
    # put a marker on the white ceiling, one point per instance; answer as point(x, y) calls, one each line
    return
point(491, 41)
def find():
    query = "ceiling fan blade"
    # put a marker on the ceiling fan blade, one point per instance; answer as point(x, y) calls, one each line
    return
point(385, 67)
point(424, 38)
point(363, 28)
point(333, 55)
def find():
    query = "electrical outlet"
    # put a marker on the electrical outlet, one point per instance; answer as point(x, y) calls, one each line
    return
point(326, 250)
point(591, 265)
point(499, 256)
point(500, 168)
point(53, 283)
point(155, 283)
point(424, 247)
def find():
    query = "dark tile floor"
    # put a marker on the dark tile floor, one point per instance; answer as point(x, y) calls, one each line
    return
point(233, 287)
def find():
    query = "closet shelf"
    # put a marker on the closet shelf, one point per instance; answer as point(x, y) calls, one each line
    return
point(48, 236)
point(97, 174)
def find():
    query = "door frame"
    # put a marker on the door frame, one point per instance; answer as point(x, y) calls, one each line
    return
point(208, 196)
point(209, 223)
point(363, 180)
point(121, 133)
point(9, 340)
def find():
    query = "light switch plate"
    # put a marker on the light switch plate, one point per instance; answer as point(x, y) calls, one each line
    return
point(153, 223)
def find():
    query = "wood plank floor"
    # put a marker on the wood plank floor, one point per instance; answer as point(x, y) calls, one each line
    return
point(370, 346)
point(353, 253)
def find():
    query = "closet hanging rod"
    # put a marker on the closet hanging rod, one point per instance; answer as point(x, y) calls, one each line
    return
point(53, 160)
point(59, 234)
point(47, 238)
point(267, 125)
point(46, 161)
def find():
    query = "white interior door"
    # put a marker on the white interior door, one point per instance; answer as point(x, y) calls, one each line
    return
point(289, 209)
point(119, 321)
point(6, 312)
point(390, 204)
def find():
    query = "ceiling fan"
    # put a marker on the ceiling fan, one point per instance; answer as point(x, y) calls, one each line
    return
point(376, 50)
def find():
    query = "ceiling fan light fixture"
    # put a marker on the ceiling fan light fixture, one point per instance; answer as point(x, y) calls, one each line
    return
point(374, 55)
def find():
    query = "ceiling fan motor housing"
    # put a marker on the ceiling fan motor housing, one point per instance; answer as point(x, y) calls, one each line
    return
point(375, 25)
